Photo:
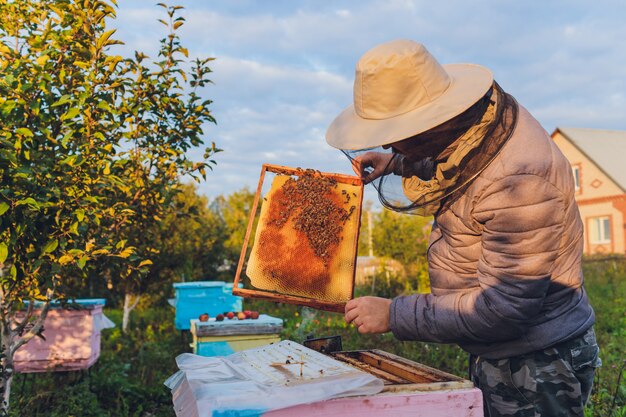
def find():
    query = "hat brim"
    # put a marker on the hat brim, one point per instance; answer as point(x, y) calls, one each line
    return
point(469, 82)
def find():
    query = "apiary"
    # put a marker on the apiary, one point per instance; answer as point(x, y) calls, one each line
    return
point(304, 226)
point(287, 379)
point(220, 338)
point(72, 338)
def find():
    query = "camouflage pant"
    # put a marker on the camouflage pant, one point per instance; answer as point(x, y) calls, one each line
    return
point(554, 382)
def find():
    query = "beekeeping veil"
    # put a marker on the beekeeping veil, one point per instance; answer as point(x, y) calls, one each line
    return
point(433, 127)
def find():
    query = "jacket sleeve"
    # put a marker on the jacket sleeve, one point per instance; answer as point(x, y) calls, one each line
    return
point(522, 218)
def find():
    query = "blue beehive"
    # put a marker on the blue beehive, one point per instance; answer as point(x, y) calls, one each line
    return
point(195, 298)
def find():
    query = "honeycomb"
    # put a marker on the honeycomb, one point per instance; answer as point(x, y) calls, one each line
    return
point(305, 241)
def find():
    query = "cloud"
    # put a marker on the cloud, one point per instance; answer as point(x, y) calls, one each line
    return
point(284, 69)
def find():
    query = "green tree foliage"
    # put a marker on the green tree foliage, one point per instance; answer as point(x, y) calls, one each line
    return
point(191, 244)
point(365, 247)
point(92, 147)
point(234, 210)
point(404, 238)
point(400, 236)
point(163, 118)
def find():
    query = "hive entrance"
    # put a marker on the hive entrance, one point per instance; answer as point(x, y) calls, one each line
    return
point(304, 239)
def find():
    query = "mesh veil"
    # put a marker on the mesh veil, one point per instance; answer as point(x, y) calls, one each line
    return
point(457, 152)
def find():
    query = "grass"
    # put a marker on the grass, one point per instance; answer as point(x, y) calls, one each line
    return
point(127, 380)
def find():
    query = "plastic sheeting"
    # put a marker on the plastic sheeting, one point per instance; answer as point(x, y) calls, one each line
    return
point(254, 381)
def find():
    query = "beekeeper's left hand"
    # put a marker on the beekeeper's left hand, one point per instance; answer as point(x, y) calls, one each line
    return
point(368, 314)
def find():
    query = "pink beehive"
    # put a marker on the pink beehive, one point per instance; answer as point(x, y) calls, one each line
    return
point(72, 339)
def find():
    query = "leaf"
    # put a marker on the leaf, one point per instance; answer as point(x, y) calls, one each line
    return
point(30, 201)
point(178, 24)
point(4, 252)
point(71, 113)
point(24, 131)
point(3, 208)
point(50, 246)
point(82, 261)
point(63, 100)
point(105, 37)
point(8, 106)
point(145, 263)
point(126, 252)
point(80, 214)
point(65, 259)
point(41, 61)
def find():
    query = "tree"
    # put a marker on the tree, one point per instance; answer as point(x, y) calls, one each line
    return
point(190, 243)
point(75, 124)
point(163, 122)
point(234, 210)
point(404, 238)
point(366, 247)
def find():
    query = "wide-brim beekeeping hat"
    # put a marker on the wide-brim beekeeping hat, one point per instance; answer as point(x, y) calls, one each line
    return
point(400, 90)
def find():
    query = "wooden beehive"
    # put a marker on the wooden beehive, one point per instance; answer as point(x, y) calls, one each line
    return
point(305, 238)
point(72, 339)
point(408, 388)
point(411, 389)
point(399, 373)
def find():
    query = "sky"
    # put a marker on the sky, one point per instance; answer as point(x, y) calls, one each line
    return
point(284, 69)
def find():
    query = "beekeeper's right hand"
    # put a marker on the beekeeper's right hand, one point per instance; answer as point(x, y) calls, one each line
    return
point(372, 165)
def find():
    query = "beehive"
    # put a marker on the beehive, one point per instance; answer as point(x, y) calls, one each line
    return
point(305, 241)
point(220, 338)
point(197, 297)
point(388, 386)
point(72, 338)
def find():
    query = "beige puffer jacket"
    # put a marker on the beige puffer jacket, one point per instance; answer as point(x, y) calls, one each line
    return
point(505, 259)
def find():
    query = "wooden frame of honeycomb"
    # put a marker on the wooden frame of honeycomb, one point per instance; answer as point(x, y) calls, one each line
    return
point(304, 251)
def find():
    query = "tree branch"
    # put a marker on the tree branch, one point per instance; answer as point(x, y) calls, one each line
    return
point(34, 331)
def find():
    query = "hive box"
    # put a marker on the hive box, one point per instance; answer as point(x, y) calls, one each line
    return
point(195, 298)
point(458, 402)
point(221, 338)
point(406, 388)
point(72, 339)
point(411, 389)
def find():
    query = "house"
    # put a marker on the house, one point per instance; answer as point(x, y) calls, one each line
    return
point(598, 159)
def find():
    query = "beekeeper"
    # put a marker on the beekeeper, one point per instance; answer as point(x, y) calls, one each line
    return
point(506, 243)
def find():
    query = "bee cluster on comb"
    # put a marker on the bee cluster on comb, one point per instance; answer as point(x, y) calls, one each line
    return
point(308, 199)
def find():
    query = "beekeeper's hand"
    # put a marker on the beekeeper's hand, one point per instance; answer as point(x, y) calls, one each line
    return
point(372, 165)
point(368, 314)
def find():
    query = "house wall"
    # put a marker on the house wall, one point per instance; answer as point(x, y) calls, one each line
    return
point(593, 182)
point(598, 196)
point(588, 211)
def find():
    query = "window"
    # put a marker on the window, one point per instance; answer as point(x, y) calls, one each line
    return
point(576, 172)
point(600, 230)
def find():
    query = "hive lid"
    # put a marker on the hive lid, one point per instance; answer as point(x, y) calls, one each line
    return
point(263, 325)
point(304, 227)
point(82, 302)
point(201, 284)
